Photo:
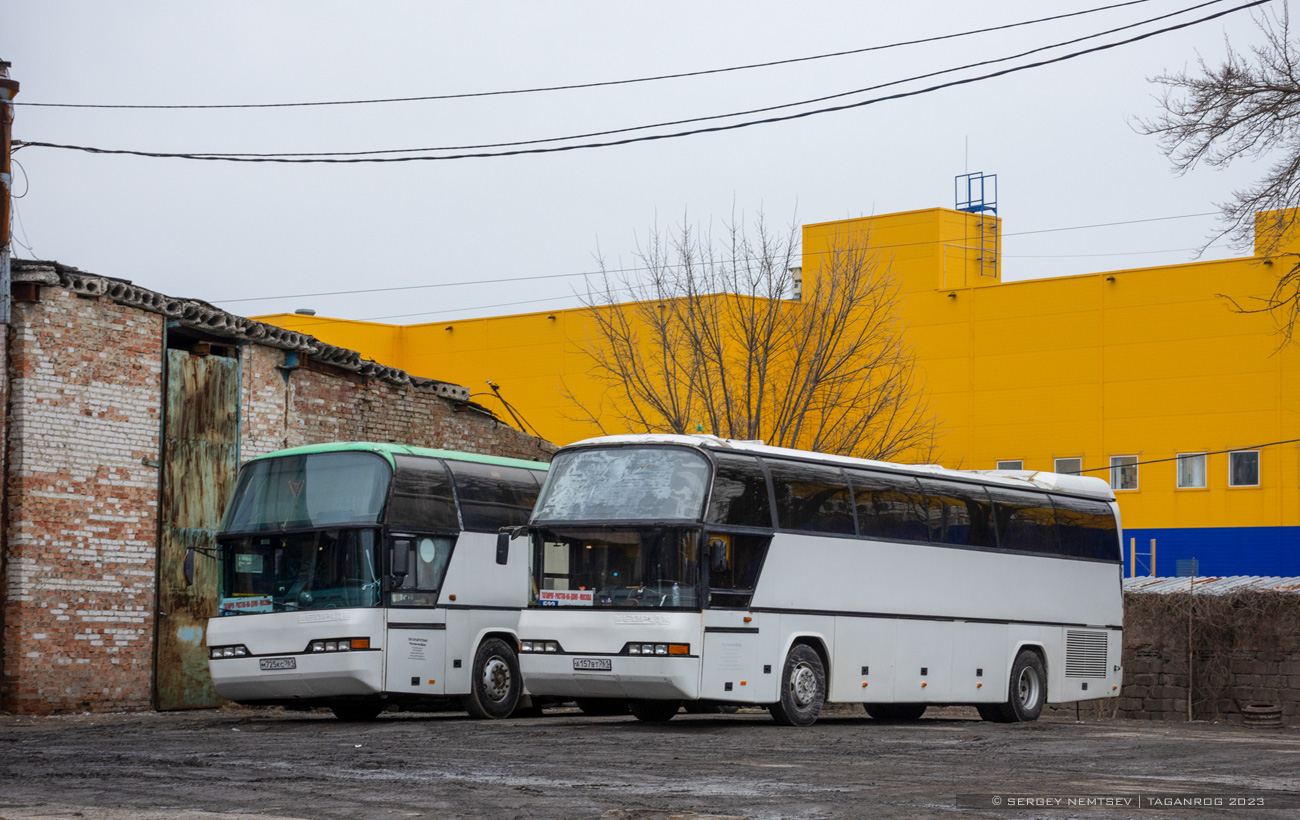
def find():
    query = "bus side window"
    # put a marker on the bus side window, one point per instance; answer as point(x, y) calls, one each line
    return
point(1087, 528)
point(811, 497)
point(889, 507)
point(740, 496)
point(426, 562)
point(422, 497)
point(1026, 521)
point(960, 514)
point(493, 496)
point(734, 562)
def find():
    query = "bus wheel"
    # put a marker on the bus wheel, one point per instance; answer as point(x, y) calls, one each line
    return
point(803, 688)
point(357, 710)
point(654, 711)
point(900, 712)
point(494, 681)
point(602, 707)
point(1028, 692)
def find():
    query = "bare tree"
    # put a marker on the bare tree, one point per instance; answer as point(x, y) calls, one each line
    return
point(708, 339)
point(1246, 107)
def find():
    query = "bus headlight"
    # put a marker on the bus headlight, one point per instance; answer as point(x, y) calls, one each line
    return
point(539, 646)
point(657, 649)
point(233, 651)
point(339, 645)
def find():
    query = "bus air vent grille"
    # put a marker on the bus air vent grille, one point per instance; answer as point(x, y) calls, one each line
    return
point(1085, 654)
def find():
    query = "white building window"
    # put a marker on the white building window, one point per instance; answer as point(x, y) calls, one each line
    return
point(1243, 468)
point(1011, 465)
point(1191, 471)
point(1069, 466)
point(1123, 472)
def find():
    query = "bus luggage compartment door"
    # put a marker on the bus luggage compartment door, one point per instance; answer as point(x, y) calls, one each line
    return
point(416, 652)
point(732, 656)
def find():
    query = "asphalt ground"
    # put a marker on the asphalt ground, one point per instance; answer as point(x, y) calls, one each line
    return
point(279, 764)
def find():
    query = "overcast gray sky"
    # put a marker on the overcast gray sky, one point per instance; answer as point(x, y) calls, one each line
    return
point(1059, 138)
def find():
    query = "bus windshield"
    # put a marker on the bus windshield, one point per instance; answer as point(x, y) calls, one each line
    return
point(324, 569)
point(308, 490)
point(625, 484)
point(619, 567)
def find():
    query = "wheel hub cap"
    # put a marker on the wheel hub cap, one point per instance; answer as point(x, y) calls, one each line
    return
point(803, 685)
point(1028, 689)
point(496, 679)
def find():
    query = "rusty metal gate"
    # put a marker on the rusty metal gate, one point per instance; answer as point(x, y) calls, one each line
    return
point(200, 459)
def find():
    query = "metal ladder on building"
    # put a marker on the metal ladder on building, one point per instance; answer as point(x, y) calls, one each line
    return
point(977, 193)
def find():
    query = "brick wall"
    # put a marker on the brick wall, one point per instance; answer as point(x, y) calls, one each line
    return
point(311, 404)
point(84, 414)
point(78, 560)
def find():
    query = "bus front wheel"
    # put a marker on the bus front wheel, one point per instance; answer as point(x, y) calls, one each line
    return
point(495, 682)
point(1027, 695)
point(803, 688)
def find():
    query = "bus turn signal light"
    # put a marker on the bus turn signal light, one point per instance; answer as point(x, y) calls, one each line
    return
point(360, 643)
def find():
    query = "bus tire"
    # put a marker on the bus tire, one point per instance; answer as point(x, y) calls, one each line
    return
point(803, 688)
point(357, 711)
point(897, 712)
point(653, 711)
point(1026, 695)
point(602, 707)
point(495, 682)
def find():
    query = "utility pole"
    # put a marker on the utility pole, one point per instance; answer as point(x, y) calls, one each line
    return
point(8, 90)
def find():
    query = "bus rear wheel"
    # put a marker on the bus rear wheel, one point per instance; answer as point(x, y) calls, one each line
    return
point(654, 711)
point(898, 712)
point(495, 683)
point(1027, 692)
point(356, 711)
point(803, 688)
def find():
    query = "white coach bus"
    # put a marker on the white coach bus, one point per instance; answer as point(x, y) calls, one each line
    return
point(674, 570)
point(359, 575)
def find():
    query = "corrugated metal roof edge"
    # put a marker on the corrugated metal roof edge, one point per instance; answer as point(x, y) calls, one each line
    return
point(1214, 584)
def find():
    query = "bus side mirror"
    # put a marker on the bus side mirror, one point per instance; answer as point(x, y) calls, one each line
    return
point(503, 547)
point(718, 558)
point(188, 567)
point(401, 558)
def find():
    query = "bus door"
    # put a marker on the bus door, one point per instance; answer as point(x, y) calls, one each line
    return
point(415, 648)
point(739, 660)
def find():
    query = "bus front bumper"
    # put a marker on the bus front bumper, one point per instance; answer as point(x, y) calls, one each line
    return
point(317, 675)
point(649, 678)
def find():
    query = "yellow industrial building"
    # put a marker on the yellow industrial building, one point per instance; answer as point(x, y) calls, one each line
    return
point(1146, 377)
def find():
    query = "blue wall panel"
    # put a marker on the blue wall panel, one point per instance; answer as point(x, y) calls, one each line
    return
point(1218, 550)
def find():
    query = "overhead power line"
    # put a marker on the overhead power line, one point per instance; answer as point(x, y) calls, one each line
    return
point(602, 83)
point(713, 117)
point(342, 158)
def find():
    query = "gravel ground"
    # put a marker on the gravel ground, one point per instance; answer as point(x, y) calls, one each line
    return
point(277, 764)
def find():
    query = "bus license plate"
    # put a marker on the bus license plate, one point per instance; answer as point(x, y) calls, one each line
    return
point(593, 664)
point(269, 664)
